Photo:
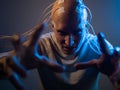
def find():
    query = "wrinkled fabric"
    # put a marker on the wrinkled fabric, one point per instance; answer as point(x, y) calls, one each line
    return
point(86, 79)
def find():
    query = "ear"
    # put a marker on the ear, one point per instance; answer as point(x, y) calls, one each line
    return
point(53, 25)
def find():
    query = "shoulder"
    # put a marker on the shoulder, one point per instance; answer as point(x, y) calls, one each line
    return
point(46, 35)
point(44, 42)
point(46, 39)
point(94, 43)
point(91, 39)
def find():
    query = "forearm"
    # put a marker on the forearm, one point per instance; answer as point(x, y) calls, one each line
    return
point(4, 68)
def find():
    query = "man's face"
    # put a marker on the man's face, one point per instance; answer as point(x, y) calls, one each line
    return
point(69, 31)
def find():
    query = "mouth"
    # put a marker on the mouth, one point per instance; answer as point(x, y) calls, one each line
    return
point(68, 49)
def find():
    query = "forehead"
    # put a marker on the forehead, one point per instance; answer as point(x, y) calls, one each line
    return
point(67, 20)
point(67, 14)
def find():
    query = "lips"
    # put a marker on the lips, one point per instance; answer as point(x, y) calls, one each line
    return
point(68, 49)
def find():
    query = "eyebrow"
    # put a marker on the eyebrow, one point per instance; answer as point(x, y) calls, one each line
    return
point(61, 31)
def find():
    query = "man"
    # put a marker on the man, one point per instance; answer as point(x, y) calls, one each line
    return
point(62, 57)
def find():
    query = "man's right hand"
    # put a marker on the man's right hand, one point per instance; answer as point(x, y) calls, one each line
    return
point(25, 54)
point(27, 51)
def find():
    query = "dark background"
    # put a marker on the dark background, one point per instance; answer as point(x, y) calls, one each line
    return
point(18, 16)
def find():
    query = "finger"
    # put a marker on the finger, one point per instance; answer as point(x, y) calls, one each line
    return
point(38, 30)
point(52, 65)
point(117, 51)
point(116, 56)
point(17, 42)
point(56, 67)
point(16, 66)
point(2, 72)
point(106, 48)
point(85, 65)
point(16, 82)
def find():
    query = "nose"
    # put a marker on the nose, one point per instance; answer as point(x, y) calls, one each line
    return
point(69, 40)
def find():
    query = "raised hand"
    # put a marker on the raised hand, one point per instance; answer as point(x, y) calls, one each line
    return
point(27, 52)
point(107, 63)
point(23, 57)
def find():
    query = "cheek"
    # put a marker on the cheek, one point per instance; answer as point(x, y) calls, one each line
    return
point(78, 38)
point(60, 39)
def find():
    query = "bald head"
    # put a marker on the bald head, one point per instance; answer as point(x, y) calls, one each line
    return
point(69, 10)
point(68, 5)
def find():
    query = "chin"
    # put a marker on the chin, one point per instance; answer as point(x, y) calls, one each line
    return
point(68, 52)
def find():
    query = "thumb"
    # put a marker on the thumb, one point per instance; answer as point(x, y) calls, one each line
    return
point(85, 65)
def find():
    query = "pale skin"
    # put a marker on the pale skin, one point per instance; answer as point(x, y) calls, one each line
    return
point(94, 63)
point(69, 32)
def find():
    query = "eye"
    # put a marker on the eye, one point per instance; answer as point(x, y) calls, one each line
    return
point(78, 32)
point(62, 33)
